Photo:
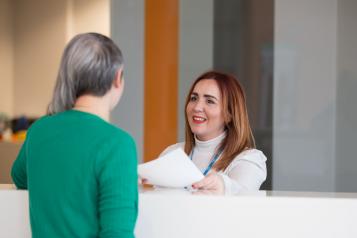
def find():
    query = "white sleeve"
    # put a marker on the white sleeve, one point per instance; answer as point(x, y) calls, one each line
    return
point(246, 173)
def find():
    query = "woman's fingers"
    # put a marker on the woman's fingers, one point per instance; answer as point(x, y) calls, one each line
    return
point(142, 181)
point(202, 183)
point(210, 182)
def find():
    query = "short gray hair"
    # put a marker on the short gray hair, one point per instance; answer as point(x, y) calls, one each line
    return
point(89, 65)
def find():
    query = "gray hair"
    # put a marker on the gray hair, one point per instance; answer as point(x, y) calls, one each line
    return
point(89, 65)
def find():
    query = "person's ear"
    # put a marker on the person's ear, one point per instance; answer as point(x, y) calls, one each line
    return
point(118, 81)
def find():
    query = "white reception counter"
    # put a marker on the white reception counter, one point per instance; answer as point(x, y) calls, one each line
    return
point(178, 213)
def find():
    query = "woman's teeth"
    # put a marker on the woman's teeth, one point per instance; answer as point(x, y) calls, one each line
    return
point(199, 119)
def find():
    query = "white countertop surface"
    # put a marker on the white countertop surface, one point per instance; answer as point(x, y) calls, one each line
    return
point(143, 191)
point(262, 193)
point(178, 213)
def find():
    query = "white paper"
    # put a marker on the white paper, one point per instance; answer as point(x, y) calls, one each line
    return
point(174, 169)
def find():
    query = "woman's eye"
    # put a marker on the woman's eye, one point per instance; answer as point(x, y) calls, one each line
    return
point(193, 98)
point(209, 101)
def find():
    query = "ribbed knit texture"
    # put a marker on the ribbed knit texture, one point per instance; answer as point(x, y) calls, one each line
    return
point(81, 173)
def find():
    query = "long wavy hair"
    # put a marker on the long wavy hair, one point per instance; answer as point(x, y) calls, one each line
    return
point(239, 136)
point(89, 65)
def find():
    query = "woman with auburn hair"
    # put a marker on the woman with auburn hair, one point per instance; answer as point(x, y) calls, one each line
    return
point(218, 137)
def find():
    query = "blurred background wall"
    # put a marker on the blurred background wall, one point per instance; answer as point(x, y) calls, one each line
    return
point(33, 35)
point(6, 57)
point(296, 59)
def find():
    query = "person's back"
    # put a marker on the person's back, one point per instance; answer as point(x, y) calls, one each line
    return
point(81, 171)
point(69, 157)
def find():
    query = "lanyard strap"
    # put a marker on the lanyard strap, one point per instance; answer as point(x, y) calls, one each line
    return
point(213, 160)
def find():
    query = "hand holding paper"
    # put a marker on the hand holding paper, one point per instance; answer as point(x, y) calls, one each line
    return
point(174, 169)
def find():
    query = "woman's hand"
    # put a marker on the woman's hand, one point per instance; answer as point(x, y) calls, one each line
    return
point(142, 181)
point(211, 182)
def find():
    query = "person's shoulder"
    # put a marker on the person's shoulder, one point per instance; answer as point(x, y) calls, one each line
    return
point(38, 123)
point(173, 147)
point(114, 143)
point(120, 134)
point(252, 154)
point(114, 147)
point(61, 118)
point(112, 135)
point(40, 120)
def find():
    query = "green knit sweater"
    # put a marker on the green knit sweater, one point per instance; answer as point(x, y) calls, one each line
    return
point(81, 174)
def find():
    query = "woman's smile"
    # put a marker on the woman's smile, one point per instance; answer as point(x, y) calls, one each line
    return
point(198, 119)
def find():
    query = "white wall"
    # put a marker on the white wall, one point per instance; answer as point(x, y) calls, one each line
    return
point(88, 16)
point(346, 116)
point(127, 30)
point(315, 82)
point(33, 35)
point(304, 95)
point(6, 57)
point(40, 31)
point(195, 49)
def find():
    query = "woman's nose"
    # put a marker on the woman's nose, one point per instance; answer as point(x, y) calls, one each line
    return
point(198, 107)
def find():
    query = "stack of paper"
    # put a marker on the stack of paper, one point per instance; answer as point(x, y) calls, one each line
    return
point(174, 169)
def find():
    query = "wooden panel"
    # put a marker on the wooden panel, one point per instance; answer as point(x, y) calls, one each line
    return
point(161, 76)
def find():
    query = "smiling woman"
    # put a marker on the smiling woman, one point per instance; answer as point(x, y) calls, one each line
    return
point(218, 136)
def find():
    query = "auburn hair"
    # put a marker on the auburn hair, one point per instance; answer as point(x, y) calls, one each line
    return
point(239, 136)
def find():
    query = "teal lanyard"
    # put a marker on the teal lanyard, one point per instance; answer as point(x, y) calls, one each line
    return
point(213, 160)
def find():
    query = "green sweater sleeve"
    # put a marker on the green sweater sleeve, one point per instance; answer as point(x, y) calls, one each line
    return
point(118, 190)
point(18, 171)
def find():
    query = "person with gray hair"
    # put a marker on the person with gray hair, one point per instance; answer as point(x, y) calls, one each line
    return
point(80, 170)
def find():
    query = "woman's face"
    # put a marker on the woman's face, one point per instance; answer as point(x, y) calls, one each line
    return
point(204, 110)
